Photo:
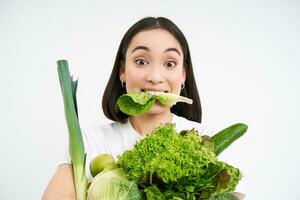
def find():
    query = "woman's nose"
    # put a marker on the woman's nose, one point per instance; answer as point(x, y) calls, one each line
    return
point(155, 75)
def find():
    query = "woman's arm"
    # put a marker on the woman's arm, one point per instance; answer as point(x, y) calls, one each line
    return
point(61, 186)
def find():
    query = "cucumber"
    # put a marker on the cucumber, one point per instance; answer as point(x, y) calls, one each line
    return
point(227, 136)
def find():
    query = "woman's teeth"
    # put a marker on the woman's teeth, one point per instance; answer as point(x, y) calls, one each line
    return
point(154, 92)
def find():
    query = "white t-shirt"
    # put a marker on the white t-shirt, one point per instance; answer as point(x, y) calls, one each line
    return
point(115, 138)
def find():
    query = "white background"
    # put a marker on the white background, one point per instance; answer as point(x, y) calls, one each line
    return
point(246, 62)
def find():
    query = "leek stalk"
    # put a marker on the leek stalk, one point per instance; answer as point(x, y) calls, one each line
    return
point(76, 145)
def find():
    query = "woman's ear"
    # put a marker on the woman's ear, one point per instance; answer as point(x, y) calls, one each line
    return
point(184, 72)
point(122, 74)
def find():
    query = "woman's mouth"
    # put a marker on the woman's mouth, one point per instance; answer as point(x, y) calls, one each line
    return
point(154, 91)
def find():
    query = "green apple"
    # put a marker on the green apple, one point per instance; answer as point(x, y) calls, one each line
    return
point(100, 162)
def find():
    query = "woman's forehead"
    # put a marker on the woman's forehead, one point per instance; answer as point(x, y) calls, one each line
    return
point(154, 39)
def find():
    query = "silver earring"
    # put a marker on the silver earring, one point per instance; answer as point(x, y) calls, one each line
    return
point(182, 86)
point(123, 83)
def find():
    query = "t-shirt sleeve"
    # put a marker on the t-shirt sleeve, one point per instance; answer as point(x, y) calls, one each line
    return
point(65, 156)
point(94, 143)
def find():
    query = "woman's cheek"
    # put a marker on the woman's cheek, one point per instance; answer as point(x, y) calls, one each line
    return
point(175, 83)
point(134, 83)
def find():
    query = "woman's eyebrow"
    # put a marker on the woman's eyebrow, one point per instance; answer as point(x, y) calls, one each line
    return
point(172, 49)
point(140, 47)
point(147, 49)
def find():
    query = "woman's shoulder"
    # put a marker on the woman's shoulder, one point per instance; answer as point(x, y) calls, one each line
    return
point(182, 123)
point(109, 136)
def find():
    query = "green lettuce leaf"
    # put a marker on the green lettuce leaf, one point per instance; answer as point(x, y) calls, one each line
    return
point(224, 196)
point(137, 103)
point(153, 193)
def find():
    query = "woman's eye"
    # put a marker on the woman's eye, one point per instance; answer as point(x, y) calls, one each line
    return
point(141, 62)
point(170, 64)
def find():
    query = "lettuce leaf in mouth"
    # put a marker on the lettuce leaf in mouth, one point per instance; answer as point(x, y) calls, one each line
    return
point(137, 103)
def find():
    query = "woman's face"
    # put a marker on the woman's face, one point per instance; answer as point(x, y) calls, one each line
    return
point(154, 62)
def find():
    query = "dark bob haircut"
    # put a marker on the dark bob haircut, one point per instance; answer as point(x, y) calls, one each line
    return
point(114, 89)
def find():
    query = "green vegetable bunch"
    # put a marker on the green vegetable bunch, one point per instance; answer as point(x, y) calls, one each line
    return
point(168, 165)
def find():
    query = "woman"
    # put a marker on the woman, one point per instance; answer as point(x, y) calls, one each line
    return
point(153, 56)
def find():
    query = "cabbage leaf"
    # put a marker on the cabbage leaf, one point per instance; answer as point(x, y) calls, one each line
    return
point(112, 184)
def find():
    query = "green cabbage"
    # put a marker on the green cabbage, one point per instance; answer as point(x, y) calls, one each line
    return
point(137, 103)
point(112, 184)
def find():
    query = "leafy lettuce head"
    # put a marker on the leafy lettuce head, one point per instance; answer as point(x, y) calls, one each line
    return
point(178, 164)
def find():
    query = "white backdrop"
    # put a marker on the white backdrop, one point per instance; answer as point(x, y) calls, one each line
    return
point(246, 61)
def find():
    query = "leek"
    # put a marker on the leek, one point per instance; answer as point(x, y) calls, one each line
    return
point(76, 145)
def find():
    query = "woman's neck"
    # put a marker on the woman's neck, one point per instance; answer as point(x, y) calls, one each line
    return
point(146, 123)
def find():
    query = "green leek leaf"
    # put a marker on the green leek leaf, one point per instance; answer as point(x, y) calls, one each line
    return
point(76, 145)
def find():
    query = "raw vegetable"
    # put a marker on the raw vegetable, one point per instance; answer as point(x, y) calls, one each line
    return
point(137, 103)
point(76, 146)
point(227, 136)
point(168, 164)
point(100, 162)
point(112, 184)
